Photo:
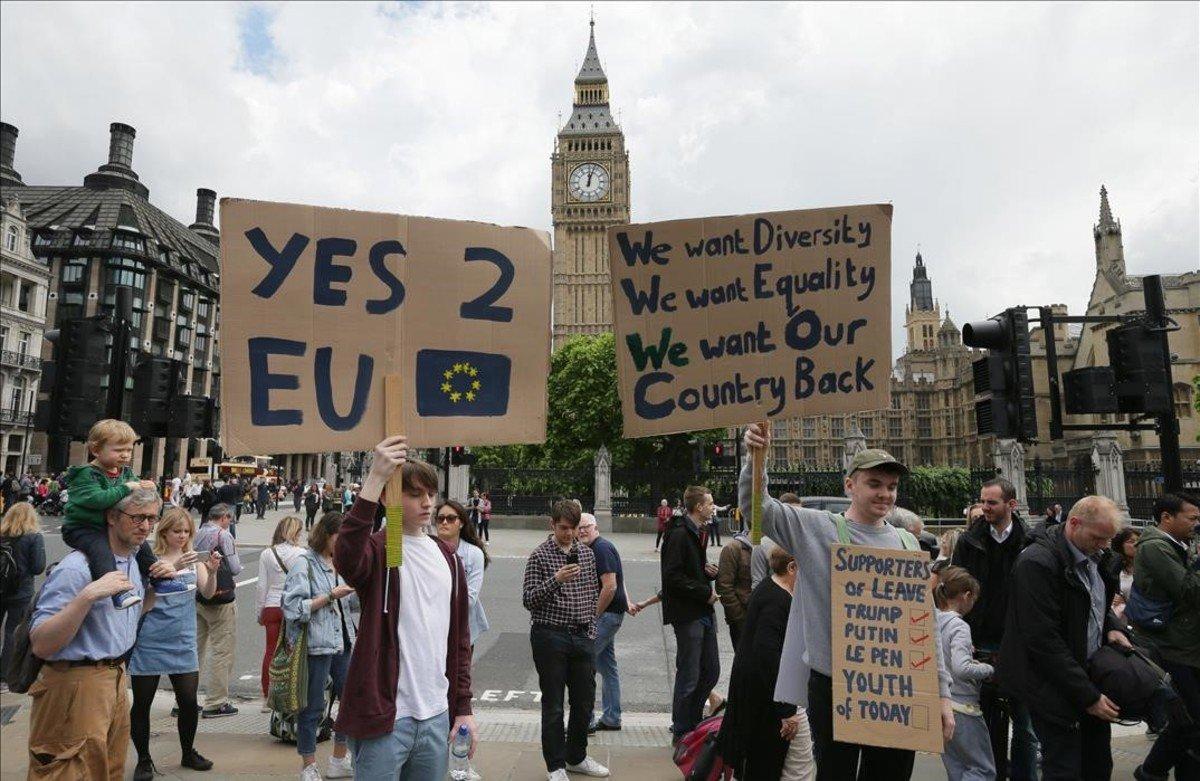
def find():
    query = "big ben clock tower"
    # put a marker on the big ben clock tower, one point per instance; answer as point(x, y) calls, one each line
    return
point(589, 192)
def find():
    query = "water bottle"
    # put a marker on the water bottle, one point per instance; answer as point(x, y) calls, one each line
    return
point(460, 767)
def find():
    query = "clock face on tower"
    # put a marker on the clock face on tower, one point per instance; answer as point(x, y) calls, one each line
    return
point(588, 182)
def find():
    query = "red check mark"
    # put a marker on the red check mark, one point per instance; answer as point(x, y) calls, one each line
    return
point(920, 618)
point(920, 664)
point(918, 638)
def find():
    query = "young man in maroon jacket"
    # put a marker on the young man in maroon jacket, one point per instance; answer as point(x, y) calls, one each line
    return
point(408, 689)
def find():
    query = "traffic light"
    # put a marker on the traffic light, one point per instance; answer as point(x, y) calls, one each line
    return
point(460, 457)
point(76, 377)
point(1004, 395)
point(1139, 365)
point(721, 457)
point(160, 406)
point(155, 381)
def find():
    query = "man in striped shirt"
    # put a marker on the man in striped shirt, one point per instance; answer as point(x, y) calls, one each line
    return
point(561, 592)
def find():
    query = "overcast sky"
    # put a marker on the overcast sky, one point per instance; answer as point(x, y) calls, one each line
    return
point(990, 127)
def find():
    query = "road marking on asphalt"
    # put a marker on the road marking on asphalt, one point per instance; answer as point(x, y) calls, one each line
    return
point(246, 582)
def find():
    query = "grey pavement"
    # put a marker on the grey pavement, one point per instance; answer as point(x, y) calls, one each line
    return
point(505, 682)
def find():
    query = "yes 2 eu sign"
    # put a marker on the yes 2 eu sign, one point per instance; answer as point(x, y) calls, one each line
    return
point(318, 305)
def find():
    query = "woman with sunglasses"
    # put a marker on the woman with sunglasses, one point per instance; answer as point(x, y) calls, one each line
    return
point(454, 528)
point(166, 643)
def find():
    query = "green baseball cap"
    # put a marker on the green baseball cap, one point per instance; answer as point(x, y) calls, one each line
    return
point(870, 459)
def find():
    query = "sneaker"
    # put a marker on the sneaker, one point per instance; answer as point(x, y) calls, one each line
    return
point(472, 775)
point(602, 726)
point(3, 687)
point(310, 773)
point(265, 708)
point(339, 768)
point(589, 767)
point(193, 760)
point(126, 600)
point(557, 775)
point(145, 770)
point(219, 711)
point(175, 711)
point(171, 586)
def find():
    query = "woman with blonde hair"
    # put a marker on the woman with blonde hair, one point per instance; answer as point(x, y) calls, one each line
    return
point(21, 537)
point(166, 642)
point(273, 567)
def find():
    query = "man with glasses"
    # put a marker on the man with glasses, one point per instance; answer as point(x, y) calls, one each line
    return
point(216, 616)
point(79, 722)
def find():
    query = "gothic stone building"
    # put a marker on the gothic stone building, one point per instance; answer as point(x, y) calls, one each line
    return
point(589, 192)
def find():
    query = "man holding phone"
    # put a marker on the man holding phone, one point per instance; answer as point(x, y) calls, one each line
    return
point(561, 592)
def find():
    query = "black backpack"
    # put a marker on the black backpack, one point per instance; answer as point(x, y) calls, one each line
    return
point(10, 573)
point(24, 667)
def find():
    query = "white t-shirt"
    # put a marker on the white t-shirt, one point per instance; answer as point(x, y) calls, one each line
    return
point(423, 629)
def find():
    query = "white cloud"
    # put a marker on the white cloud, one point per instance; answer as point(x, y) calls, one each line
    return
point(990, 127)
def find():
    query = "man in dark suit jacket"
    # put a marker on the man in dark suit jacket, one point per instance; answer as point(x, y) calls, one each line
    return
point(1058, 617)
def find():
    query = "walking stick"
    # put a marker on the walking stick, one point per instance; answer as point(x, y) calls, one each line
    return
point(393, 415)
point(757, 456)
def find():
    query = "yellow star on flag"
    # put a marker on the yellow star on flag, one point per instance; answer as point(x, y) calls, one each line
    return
point(470, 395)
point(471, 370)
point(446, 387)
point(476, 385)
point(448, 374)
point(455, 396)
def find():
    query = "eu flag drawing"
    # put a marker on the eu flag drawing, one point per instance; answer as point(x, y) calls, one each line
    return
point(459, 383)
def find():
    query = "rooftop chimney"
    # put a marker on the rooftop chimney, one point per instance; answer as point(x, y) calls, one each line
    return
point(205, 205)
point(120, 144)
point(8, 151)
point(118, 172)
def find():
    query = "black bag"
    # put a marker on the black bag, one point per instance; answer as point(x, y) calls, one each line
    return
point(226, 588)
point(24, 667)
point(1138, 686)
point(1147, 613)
point(10, 573)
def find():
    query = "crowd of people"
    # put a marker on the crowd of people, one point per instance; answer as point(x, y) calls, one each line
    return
point(1034, 624)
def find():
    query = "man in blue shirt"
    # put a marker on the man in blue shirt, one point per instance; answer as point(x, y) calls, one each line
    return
point(610, 612)
point(79, 722)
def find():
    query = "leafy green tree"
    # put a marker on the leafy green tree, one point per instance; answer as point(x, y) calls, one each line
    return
point(585, 413)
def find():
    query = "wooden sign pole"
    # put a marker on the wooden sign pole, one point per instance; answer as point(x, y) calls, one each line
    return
point(757, 458)
point(393, 414)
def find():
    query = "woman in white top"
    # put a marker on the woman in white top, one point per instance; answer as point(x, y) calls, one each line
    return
point(454, 528)
point(273, 566)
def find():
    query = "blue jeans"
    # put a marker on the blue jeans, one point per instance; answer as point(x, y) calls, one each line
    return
point(320, 670)
point(606, 664)
point(416, 750)
point(697, 669)
point(1022, 764)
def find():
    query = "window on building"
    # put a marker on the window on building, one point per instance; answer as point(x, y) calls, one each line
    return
point(131, 274)
point(837, 427)
point(3, 337)
point(810, 454)
point(25, 297)
point(867, 425)
point(895, 429)
point(42, 240)
point(924, 429)
point(926, 454)
point(11, 237)
point(779, 456)
point(896, 401)
point(922, 401)
point(23, 338)
point(125, 241)
point(16, 392)
point(1183, 400)
point(73, 281)
point(809, 427)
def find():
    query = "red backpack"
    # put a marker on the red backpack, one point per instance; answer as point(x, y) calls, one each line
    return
point(697, 754)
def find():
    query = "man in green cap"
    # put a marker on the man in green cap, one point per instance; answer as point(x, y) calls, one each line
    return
point(806, 662)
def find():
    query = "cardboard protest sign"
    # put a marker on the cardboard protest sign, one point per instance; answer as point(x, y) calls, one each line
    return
point(728, 320)
point(318, 305)
point(885, 680)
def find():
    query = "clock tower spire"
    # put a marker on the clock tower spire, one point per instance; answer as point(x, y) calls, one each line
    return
point(589, 191)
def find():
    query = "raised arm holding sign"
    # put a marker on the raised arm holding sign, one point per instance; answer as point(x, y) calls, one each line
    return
point(881, 739)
